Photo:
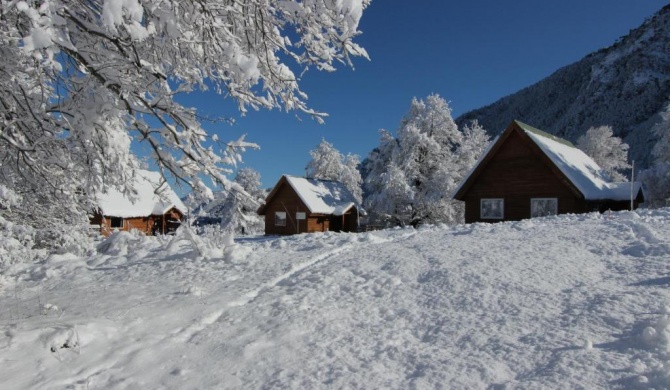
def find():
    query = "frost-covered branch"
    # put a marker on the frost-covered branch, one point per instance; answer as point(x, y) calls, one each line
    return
point(82, 79)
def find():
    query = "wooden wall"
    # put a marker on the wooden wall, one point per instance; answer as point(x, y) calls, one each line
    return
point(517, 173)
point(286, 200)
point(143, 224)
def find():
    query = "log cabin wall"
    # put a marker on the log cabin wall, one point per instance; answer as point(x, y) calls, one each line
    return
point(143, 224)
point(140, 223)
point(516, 173)
point(286, 200)
point(283, 198)
point(318, 223)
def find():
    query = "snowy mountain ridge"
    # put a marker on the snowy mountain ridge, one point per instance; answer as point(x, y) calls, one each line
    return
point(625, 86)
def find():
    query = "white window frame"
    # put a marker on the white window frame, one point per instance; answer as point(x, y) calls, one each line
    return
point(282, 218)
point(538, 199)
point(502, 208)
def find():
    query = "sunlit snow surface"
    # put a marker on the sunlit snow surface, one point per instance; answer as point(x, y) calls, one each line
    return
point(561, 302)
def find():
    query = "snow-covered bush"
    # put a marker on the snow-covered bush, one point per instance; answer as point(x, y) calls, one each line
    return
point(118, 243)
point(235, 206)
point(17, 244)
point(8, 198)
point(214, 235)
point(63, 238)
point(21, 243)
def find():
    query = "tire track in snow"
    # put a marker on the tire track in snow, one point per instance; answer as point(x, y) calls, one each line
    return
point(253, 294)
point(191, 331)
point(187, 333)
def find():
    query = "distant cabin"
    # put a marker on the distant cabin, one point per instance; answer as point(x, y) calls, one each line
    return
point(156, 210)
point(528, 173)
point(299, 205)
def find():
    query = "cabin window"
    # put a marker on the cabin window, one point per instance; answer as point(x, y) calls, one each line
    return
point(542, 207)
point(116, 222)
point(492, 208)
point(280, 218)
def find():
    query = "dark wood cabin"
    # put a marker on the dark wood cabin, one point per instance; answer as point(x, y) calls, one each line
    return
point(299, 205)
point(529, 173)
point(156, 209)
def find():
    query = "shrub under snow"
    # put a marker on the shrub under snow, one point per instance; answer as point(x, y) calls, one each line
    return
point(17, 244)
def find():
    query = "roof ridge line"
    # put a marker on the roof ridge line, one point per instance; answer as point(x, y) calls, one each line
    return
point(542, 133)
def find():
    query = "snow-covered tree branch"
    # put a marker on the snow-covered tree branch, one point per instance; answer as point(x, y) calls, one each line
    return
point(81, 79)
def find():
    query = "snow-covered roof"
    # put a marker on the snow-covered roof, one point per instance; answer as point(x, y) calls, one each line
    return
point(584, 173)
point(580, 169)
point(323, 196)
point(153, 198)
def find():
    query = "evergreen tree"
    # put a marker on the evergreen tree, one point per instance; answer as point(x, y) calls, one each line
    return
point(608, 151)
point(249, 222)
point(235, 207)
point(328, 163)
point(393, 201)
point(230, 218)
point(475, 141)
point(377, 164)
point(661, 130)
point(351, 176)
point(656, 179)
point(410, 179)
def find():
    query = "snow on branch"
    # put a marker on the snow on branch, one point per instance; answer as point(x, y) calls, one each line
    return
point(82, 79)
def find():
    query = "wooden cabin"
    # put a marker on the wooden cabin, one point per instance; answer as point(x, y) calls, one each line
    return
point(528, 173)
point(155, 210)
point(299, 205)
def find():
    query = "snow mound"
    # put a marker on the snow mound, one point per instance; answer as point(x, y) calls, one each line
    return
point(118, 243)
point(656, 336)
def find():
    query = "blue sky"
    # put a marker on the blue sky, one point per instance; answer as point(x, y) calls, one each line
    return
point(470, 52)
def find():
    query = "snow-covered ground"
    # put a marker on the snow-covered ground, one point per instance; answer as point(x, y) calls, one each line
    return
point(562, 302)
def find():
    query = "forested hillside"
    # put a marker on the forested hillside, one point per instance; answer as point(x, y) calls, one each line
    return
point(625, 86)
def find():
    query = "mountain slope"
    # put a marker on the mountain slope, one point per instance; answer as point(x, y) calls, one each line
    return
point(625, 85)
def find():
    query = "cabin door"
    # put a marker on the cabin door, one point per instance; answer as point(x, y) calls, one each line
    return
point(344, 223)
point(336, 223)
